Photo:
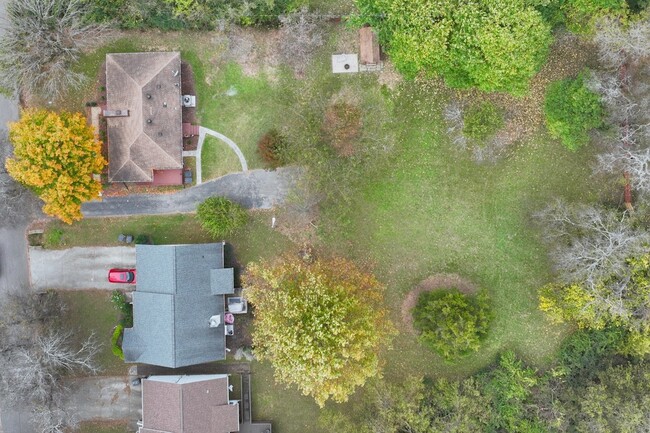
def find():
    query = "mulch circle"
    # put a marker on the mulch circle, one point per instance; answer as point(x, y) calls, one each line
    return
point(434, 282)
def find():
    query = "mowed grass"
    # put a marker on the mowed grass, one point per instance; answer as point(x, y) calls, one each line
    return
point(418, 209)
point(218, 159)
point(103, 427)
point(433, 210)
point(91, 312)
point(256, 240)
point(240, 107)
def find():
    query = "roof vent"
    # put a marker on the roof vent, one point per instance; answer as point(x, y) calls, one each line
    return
point(148, 95)
point(215, 321)
point(164, 104)
point(149, 121)
point(176, 72)
point(160, 134)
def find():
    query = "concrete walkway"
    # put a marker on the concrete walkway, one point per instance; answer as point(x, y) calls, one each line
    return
point(255, 189)
point(78, 268)
point(203, 132)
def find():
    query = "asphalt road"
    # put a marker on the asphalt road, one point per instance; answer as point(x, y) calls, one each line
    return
point(78, 268)
point(255, 189)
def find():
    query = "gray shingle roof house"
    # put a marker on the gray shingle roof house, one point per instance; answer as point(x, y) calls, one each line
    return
point(143, 115)
point(188, 404)
point(180, 291)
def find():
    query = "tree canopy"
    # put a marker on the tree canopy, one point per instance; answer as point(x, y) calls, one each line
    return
point(571, 110)
point(56, 156)
point(621, 300)
point(320, 324)
point(41, 42)
point(494, 45)
point(452, 323)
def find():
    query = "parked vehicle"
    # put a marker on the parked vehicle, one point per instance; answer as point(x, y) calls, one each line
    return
point(121, 276)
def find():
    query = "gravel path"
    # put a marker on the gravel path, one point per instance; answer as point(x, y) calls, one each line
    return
point(255, 189)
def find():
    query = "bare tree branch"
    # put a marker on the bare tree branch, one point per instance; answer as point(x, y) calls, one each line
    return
point(43, 40)
point(590, 244)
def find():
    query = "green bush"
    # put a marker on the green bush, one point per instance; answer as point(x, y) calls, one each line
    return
point(116, 346)
point(143, 240)
point(451, 323)
point(571, 110)
point(185, 14)
point(125, 308)
point(220, 216)
point(54, 237)
point(482, 121)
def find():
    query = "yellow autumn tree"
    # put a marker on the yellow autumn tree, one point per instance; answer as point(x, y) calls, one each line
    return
point(320, 324)
point(55, 155)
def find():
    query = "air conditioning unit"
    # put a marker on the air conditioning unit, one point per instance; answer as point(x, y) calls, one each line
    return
point(189, 101)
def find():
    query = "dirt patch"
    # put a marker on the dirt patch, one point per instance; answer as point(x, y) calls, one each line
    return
point(255, 50)
point(342, 127)
point(434, 282)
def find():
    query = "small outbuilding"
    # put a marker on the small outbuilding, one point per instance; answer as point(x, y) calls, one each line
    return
point(369, 47)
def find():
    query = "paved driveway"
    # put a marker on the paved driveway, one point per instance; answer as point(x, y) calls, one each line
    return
point(255, 189)
point(78, 268)
point(104, 398)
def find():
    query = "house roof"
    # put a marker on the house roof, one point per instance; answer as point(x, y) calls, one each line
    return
point(176, 296)
point(150, 137)
point(188, 404)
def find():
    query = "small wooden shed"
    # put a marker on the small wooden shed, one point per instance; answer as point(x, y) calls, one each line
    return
point(369, 47)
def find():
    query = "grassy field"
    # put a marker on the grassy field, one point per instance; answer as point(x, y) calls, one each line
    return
point(91, 312)
point(102, 427)
point(218, 159)
point(406, 204)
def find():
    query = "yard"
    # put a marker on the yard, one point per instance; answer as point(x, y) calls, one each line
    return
point(406, 203)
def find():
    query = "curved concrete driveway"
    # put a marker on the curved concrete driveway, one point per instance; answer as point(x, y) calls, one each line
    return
point(256, 189)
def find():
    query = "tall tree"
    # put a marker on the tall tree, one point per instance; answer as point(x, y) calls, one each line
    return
point(56, 156)
point(588, 243)
point(34, 357)
point(320, 324)
point(495, 45)
point(43, 40)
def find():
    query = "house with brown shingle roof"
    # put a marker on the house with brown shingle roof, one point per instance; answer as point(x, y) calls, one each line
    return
point(144, 117)
point(188, 404)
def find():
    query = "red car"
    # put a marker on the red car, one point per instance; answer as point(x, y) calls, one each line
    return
point(123, 276)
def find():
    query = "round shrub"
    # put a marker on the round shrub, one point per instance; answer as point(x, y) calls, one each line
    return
point(451, 323)
point(272, 147)
point(220, 216)
point(482, 121)
point(571, 110)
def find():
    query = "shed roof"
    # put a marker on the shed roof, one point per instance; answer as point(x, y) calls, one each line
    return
point(149, 86)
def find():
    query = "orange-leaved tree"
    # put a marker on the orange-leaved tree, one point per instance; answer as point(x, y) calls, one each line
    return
point(320, 324)
point(56, 155)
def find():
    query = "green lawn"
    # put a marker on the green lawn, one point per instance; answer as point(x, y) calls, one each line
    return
point(256, 240)
point(430, 209)
point(102, 427)
point(218, 159)
point(91, 312)
point(407, 205)
point(166, 229)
